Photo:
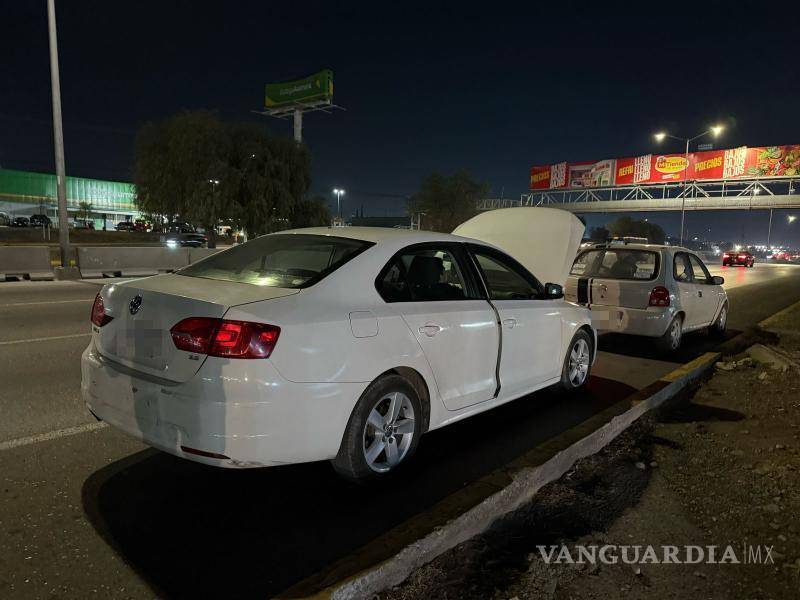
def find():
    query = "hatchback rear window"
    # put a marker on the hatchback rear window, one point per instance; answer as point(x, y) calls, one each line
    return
point(284, 260)
point(616, 263)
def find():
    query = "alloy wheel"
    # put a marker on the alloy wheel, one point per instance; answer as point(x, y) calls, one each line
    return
point(578, 362)
point(388, 432)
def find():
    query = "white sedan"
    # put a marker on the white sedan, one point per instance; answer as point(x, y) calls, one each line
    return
point(328, 343)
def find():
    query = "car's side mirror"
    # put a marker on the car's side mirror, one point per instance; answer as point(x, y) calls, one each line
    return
point(717, 280)
point(553, 291)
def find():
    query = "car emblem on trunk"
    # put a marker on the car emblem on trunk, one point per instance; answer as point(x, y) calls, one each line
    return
point(136, 304)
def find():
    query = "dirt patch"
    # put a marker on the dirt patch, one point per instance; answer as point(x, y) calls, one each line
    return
point(719, 469)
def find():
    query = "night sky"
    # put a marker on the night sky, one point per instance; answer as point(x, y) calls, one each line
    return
point(488, 87)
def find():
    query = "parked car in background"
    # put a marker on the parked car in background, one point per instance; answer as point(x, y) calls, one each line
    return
point(142, 225)
point(186, 240)
point(341, 344)
point(40, 221)
point(5, 219)
point(20, 222)
point(83, 224)
point(654, 291)
point(742, 258)
point(125, 226)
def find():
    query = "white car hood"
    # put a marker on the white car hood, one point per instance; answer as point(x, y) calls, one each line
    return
point(543, 240)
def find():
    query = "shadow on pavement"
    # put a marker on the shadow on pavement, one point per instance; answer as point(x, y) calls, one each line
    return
point(195, 531)
point(694, 344)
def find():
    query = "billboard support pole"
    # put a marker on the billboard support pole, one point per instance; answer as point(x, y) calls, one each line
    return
point(683, 196)
point(58, 137)
point(298, 125)
point(769, 229)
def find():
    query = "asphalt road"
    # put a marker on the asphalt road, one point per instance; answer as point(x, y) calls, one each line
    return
point(96, 512)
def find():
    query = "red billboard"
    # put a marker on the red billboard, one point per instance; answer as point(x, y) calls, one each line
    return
point(770, 161)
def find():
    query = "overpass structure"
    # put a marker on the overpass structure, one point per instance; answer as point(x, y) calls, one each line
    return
point(719, 194)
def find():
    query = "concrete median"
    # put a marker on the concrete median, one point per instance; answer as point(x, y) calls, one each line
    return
point(25, 262)
point(196, 254)
point(114, 261)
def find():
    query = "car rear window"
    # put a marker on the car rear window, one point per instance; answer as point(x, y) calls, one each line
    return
point(616, 263)
point(283, 260)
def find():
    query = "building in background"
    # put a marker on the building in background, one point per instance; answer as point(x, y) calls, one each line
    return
point(25, 193)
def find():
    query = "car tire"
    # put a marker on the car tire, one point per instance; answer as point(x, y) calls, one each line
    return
point(670, 341)
point(577, 363)
point(718, 327)
point(376, 441)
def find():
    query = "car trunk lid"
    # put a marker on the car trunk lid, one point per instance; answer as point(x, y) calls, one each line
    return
point(614, 276)
point(144, 311)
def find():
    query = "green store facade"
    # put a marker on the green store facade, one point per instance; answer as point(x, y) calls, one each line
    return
point(24, 193)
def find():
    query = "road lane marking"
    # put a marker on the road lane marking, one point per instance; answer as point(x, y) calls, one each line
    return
point(51, 435)
point(48, 302)
point(46, 339)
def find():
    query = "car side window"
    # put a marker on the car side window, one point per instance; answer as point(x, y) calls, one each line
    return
point(505, 278)
point(682, 271)
point(701, 274)
point(424, 274)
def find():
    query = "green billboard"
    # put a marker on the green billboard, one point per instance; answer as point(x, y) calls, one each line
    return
point(316, 87)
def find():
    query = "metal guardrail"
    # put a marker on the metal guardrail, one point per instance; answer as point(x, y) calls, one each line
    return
point(733, 194)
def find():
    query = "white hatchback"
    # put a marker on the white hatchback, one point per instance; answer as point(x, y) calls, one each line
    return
point(344, 344)
point(648, 290)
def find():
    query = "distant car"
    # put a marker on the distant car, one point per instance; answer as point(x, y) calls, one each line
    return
point(5, 219)
point(141, 225)
point(40, 221)
point(186, 240)
point(20, 222)
point(125, 226)
point(648, 290)
point(180, 227)
point(743, 259)
point(84, 224)
point(782, 255)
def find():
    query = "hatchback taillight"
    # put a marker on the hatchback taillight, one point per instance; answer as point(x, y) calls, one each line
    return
point(99, 316)
point(224, 338)
point(659, 296)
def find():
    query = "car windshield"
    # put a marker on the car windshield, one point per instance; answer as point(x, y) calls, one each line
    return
point(285, 261)
point(616, 263)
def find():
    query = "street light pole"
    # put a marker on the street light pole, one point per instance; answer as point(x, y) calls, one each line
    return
point(58, 137)
point(339, 193)
point(716, 130)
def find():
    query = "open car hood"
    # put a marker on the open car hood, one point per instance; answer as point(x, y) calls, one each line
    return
point(543, 240)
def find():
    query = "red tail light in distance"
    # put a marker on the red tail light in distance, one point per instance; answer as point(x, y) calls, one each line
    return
point(659, 296)
point(224, 338)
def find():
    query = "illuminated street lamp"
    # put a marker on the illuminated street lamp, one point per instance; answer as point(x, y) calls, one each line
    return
point(662, 135)
point(791, 218)
point(339, 193)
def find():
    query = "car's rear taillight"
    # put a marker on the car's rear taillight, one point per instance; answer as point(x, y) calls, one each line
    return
point(726, 255)
point(224, 338)
point(659, 296)
point(99, 316)
point(743, 256)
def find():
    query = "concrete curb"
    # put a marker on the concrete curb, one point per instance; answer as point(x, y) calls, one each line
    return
point(522, 482)
point(765, 324)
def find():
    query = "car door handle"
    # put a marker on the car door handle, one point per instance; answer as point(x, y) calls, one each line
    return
point(510, 323)
point(430, 330)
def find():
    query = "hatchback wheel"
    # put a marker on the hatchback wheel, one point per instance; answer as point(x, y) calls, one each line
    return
point(719, 326)
point(671, 340)
point(383, 430)
point(577, 362)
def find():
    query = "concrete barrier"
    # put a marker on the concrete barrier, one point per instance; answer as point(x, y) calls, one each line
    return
point(116, 261)
point(196, 254)
point(29, 262)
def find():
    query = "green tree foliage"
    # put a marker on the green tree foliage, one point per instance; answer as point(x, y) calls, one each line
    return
point(447, 200)
point(598, 234)
point(311, 212)
point(206, 170)
point(635, 227)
